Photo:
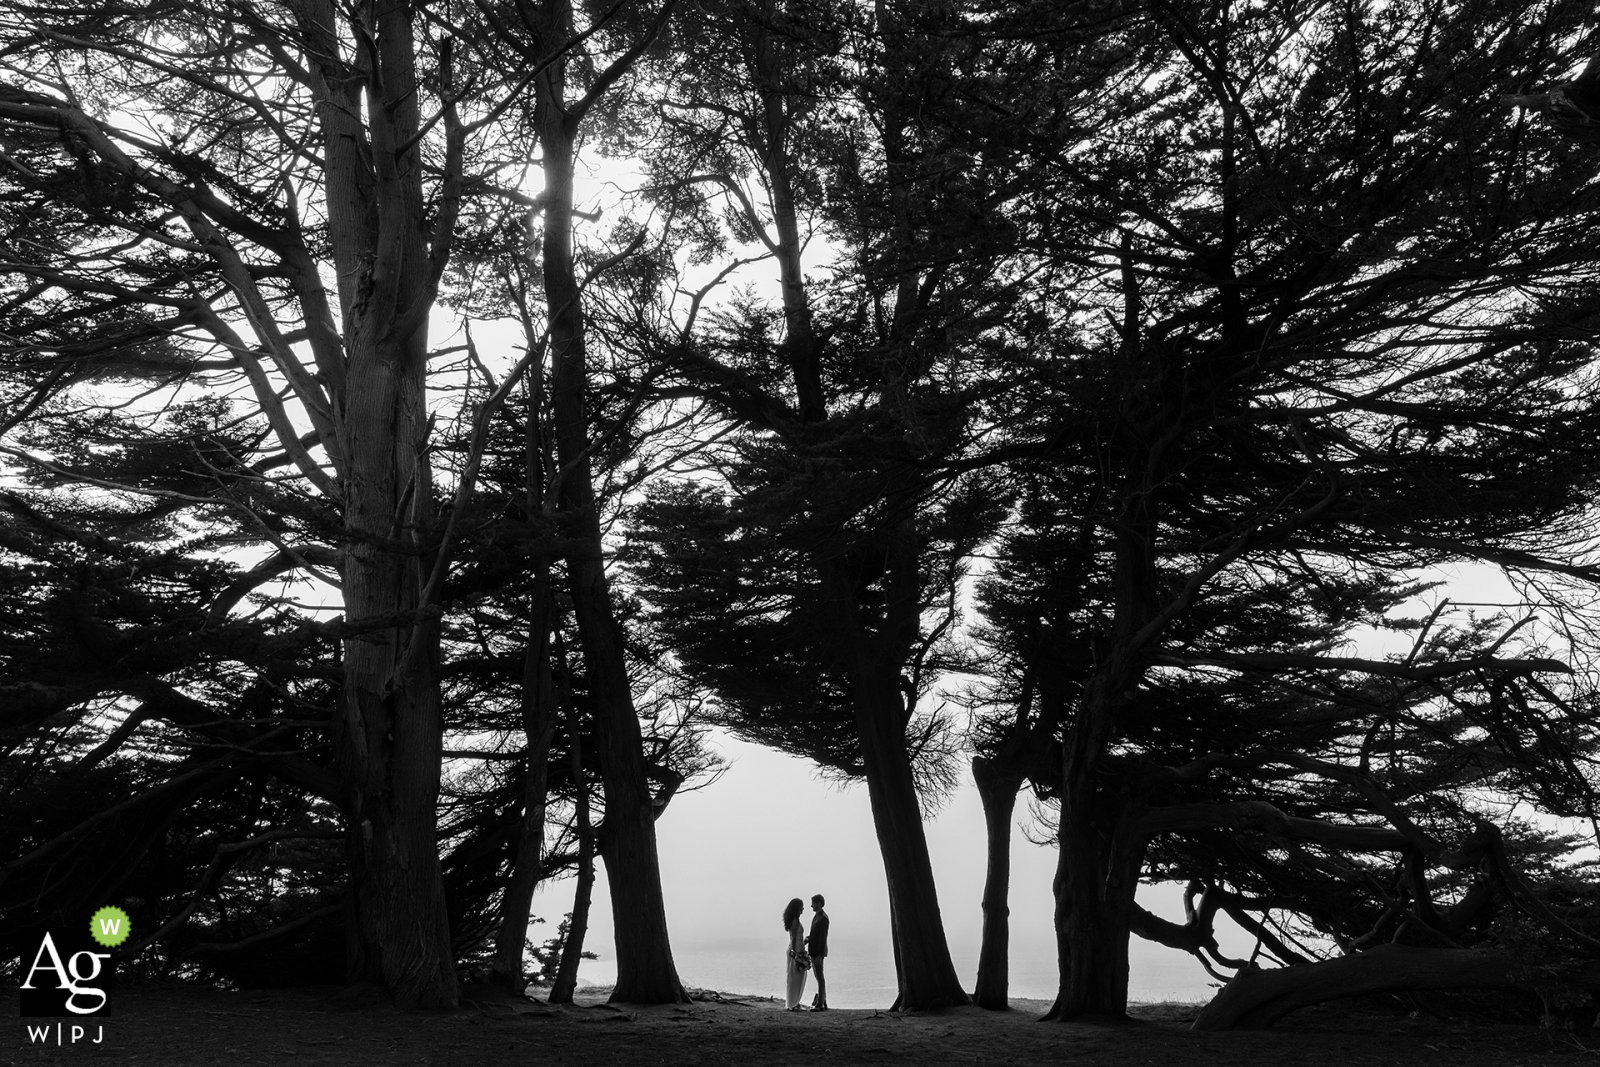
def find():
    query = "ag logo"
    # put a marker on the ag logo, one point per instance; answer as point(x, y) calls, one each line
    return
point(64, 975)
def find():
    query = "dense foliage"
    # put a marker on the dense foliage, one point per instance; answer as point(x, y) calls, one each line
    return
point(1101, 391)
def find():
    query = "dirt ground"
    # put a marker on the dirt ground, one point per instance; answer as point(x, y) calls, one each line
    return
point(180, 1026)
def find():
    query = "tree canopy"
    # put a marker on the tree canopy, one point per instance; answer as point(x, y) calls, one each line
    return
point(1103, 391)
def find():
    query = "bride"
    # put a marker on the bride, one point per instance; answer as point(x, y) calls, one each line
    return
point(798, 963)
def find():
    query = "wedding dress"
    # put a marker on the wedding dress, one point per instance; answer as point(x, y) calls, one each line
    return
point(795, 984)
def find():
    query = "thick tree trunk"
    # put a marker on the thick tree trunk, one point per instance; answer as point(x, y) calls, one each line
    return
point(1101, 852)
point(372, 389)
point(1261, 998)
point(998, 793)
point(391, 720)
point(645, 969)
point(400, 935)
point(646, 973)
point(1093, 914)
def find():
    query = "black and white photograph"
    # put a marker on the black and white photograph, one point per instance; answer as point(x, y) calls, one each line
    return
point(725, 532)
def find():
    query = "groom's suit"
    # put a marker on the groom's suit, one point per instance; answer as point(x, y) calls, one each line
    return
point(817, 947)
point(817, 940)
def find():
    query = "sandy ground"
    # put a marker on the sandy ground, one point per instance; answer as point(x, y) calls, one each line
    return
point(180, 1026)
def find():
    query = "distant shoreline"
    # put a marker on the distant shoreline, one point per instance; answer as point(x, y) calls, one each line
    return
point(594, 994)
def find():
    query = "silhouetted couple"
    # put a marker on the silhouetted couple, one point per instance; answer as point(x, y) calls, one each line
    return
point(805, 952)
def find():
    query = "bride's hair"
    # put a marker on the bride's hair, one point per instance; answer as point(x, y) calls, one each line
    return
point(792, 912)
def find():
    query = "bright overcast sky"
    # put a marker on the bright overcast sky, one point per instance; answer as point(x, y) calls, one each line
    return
point(734, 853)
point(732, 856)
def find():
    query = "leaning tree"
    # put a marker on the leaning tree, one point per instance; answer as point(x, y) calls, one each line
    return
point(535, 268)
point(1344, 318)
point(854, 481)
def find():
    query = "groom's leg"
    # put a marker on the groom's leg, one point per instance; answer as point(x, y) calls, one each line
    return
point(817, 963)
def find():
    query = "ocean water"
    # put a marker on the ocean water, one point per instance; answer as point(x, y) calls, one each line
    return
point(732, 855)
point(865, 978)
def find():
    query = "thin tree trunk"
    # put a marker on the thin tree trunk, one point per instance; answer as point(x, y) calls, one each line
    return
point(645, 969)
point(539, 726)
point(899, 971)
point(578, 928)
point(998, 793)
point(800, 345)
point(539, 709)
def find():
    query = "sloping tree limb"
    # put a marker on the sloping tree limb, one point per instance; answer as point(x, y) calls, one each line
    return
point(220, 861)
point(1282, 661)
point(267, 935)
point(1260, 998)
point(1260, 815)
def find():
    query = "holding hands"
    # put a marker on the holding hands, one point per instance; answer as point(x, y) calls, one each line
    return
point(804, 953)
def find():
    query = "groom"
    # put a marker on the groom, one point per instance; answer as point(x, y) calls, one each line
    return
point(817, 947)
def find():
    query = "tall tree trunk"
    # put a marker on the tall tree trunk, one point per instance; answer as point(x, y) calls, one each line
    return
point(390, 714)
point(578, 929)
point(873, 656)
point(390, 719)
point(800, 344)
point(1102, 850)
point(539, 727)
point(997, 791)
point(927, 976)
point(874, 652)
point(539, 708)
point(627, 838)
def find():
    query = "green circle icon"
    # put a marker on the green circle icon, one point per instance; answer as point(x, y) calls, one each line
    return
point(110, 926)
